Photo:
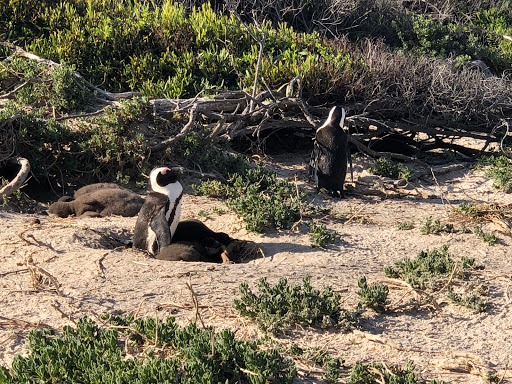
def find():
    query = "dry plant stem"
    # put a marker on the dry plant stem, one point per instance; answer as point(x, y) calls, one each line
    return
point(101, 268)
point(15, 90)
point(18, 181)
point(384, 341)
point(21, 323)
point(64, 315)
point(23, 270)
point(196, 304)
point(34, 270)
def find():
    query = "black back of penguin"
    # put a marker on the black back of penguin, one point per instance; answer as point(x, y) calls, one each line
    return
point(328, 164)
point(160, 214)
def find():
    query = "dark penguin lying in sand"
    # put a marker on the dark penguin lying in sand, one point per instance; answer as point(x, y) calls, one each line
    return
point(194, 241)
point(98, 200)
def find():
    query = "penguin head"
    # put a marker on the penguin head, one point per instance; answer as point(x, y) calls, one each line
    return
point(165, 180)
point(336, 118)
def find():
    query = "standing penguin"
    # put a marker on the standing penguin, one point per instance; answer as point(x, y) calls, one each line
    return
point(328, 164)
point(159, 216)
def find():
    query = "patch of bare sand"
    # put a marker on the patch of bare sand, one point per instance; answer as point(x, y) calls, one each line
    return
point(96, 274)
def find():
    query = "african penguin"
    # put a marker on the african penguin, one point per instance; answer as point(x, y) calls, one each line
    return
point(196, 231)
point(160, 214)
point(328, 164)
point(98, 200)
point(206, 250)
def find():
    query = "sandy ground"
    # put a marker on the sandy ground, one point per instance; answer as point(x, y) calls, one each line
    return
point(96, 274)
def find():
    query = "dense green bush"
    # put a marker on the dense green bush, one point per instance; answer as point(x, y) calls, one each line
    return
point(257, 195)
point(428, 268)
point(164, 51)
point(144, 350)
point(277, 308)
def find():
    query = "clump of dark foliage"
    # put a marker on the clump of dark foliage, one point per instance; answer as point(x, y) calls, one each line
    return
point(387, 168)
point(372, 296)
point(144, 350)
point(319, 357)
point(256, 194)
point(320, 236)
point(376, 373)
point(432, 270)
point(427, 268)
point(277, 308)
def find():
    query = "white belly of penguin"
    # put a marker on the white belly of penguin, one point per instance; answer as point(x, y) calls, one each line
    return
point(151, 241)
point(176, 219)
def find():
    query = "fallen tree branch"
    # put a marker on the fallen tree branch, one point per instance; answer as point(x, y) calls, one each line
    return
point(18, 181)
point(180, 136)
point(371, 152)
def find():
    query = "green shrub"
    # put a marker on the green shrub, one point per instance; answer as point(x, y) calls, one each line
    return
point(320, 236)
point(277, 308)
point(374, 296)
point(53, 88)
point(472, 300)
point(375, 373)
point(112, 145)
point(427, 268)
point(387, 168)
point(258, 196)
point(489, 237)
point(405, 225)
point(165, 354)
point(500, 170)
point(436, 227)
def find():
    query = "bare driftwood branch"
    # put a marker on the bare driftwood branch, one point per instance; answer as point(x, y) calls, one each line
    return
point(373, 153)
point(180, 136)
point(18, 181)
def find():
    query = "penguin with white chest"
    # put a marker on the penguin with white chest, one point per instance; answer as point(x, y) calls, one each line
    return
point(160, 214)
point(330, 155)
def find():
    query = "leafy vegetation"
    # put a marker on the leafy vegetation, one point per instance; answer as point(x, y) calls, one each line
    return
point(387, 168)
point(319, 357)
point(375, 373)
point(427, 268)
point(374, 296)
point(320, 236)
point(277, 308)
point(500, 170)
point(472, 300)
point(259, 197)
point(435, 227)
point(405, 225)
point(144, 350)
point(489, 237)
point(434, 271)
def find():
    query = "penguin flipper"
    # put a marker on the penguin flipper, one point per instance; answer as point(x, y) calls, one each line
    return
point(160, 227)
point(349, 157)
point(313, 162)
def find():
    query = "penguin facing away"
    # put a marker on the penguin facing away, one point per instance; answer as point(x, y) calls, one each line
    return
point(329, 158)
point(160, 214)
point(98, 200)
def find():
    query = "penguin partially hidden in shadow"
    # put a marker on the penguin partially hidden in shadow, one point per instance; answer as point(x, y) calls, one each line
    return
point(194, 241)
point(160, 214)
point(330, 155)
point(98, 200)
